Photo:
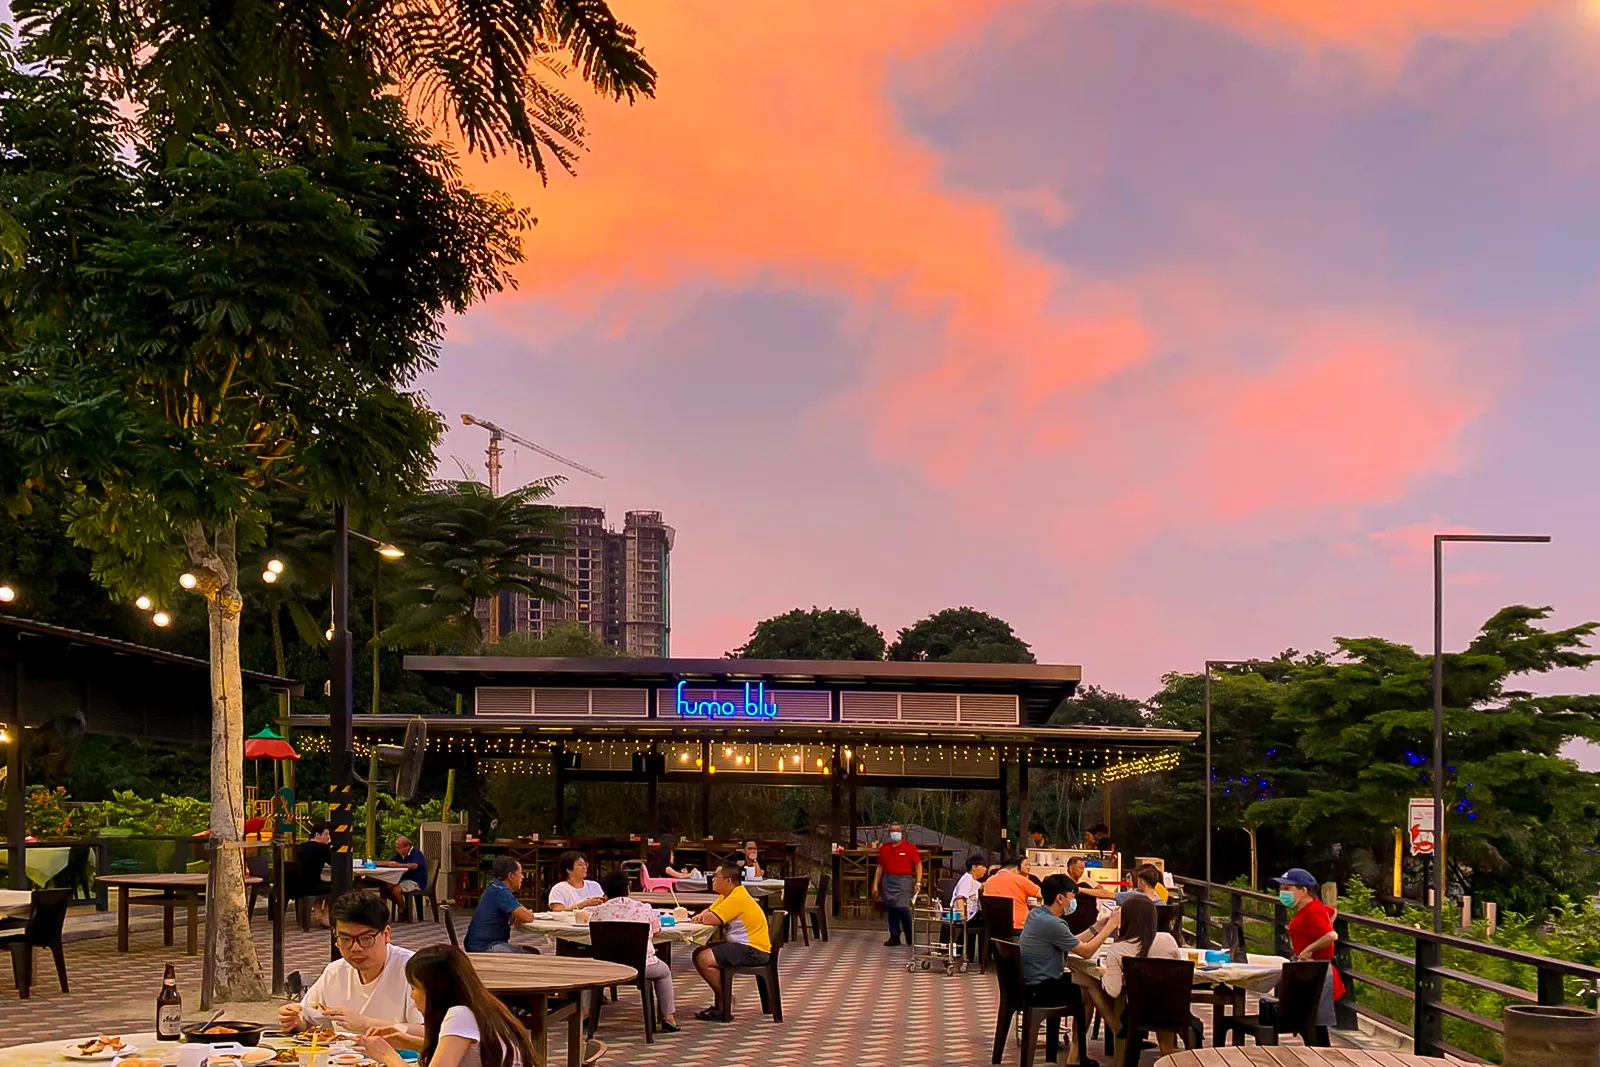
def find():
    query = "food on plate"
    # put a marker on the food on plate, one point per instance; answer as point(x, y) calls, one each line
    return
point(138, 1061)
point(255, 1056)
point(320, 1035)
point(96, 1045)
point(347, 1059)
point(287, 1055)
point(214, 1031)
point(223, 1061)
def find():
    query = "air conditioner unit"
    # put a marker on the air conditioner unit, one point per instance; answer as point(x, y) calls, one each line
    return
point(438, 841)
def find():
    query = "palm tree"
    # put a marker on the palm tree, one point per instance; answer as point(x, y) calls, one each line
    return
point(463, 545)
point(485, 68)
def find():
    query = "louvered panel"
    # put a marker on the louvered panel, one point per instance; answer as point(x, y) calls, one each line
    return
point(974, 764)
point(561, 703)
point(869, 707)
point(503, 700)
point(990, 709)
point(620, 703)
point(927, 707)
point(802, 705)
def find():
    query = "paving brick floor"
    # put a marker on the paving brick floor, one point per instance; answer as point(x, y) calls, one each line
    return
point(849, 1001)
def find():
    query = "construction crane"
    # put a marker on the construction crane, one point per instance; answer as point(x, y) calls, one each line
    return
point(497, 433)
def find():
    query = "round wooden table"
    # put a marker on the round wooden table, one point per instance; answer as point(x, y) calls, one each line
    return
point(529, 981)
point(1292, 1056)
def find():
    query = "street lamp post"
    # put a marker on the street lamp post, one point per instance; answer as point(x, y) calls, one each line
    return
point(1438, 699)
point(1210, 665)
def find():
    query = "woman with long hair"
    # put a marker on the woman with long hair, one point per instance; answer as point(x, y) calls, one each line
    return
point(663, 863)
point(1137, 937)
point(463, 1025)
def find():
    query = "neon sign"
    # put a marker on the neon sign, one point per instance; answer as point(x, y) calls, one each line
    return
point(756, 705)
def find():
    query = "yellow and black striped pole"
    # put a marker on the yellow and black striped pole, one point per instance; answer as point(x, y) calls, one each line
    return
point(341, 729)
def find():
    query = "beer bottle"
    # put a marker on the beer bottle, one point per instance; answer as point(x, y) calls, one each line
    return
point(169, 1008)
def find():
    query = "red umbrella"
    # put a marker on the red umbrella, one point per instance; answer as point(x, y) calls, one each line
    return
point(268, 745)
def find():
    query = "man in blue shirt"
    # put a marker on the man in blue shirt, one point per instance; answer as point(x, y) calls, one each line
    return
point(415, 880)
point(1044, 942)
point(498, 908)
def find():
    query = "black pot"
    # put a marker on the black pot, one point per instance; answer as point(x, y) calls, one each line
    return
point(247, 1034)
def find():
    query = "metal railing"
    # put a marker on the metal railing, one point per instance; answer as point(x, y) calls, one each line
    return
point(1439, 967)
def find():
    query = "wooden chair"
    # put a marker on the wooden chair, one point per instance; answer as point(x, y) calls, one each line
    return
point(766, 974)
point(1157, 994)
point(817, 912)
point(303, 902)
point(997, 925)
point(450, 925)
point(627, 943)
point(1014, 999)
point(794, 903)
point(45, 922)
point(1293, 1010)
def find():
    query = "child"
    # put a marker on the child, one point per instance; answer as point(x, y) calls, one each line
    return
point(463, 1024)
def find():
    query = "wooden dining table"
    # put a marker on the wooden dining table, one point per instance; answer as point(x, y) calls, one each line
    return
point(1293, 1056)
point(171, 891)
point(529, 981)
point(694, 901)
point(15, 903)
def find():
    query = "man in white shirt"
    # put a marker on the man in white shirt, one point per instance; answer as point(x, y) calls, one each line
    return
point(368, 987)
point(575, 890)
point(619, 907)
point(964, 899)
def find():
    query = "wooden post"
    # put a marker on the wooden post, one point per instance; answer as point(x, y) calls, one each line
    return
point(1005, 809)
point(834, 771)
point(16, 785)
point(277, 902)
point(1466, 912)
point(559, 760)
point(854, 817)
point(652, 760)
point(1024, 813)
point(705, 791)
point(1491, 915)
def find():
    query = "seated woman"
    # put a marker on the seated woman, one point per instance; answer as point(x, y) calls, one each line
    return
point(463, 1024)
point(1139, 939)
point(663, 862)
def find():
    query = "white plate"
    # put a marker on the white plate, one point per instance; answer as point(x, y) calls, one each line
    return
point(71, 1052)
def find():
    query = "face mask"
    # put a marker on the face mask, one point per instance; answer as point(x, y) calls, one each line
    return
point(894, 835)
point(1072, 906)
point(1286, 898)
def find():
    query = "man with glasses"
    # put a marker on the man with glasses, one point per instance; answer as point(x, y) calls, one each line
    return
point(367, 987)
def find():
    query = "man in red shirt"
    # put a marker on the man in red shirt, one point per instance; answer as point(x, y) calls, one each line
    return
point(898, 875)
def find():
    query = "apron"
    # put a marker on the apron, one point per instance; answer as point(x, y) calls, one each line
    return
point(897, 889)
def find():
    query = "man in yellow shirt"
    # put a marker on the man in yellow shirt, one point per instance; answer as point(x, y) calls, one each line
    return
point(744, 927)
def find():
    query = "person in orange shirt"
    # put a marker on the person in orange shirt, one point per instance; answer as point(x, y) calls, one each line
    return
point(1012, 882)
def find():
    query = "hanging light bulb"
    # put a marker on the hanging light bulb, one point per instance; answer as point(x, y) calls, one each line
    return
point(269, 576)
point(388, 551)
point(329, 634)
point(7, 594)
point(727, 750)
point(5, 736)
point(142, 602)
point(275, 566)
point(187, 580)
point(161, 618)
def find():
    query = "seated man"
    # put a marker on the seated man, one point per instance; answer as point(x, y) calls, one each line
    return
point(367, 988)
point(1044, 942)
point(1147, 882)
point(619, 907)
point(415, 880)
point(751, 862)
point(311, 858)
point(498, 908)
point(744, 924)
point(1010, 882)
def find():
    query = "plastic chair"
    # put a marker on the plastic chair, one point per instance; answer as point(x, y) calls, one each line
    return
point(1157, 994)
point(765, 974)
point(1293, 1010)
point(997, 919)
point(817, 911)
point(627, 943)
point(43, 931)
point(428, 896)
point(1014, 999)
point(656, 885)
point(794, 903)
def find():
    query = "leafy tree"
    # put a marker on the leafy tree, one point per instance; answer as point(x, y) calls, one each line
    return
point(961, 635)
point(568, 640)
point(821, 633)
point(192, 329)
point(463, 545)
point(260, 66)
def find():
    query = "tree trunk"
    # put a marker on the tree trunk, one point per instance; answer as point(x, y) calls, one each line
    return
point(238, 971)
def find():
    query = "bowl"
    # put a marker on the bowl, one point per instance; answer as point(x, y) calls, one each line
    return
point(238, 1032)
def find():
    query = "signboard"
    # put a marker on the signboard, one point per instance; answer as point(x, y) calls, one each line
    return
point(1419, 827)
point(747, 702)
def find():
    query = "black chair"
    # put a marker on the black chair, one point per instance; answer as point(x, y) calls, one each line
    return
point(1169, 920)
point(260, 867)
point(1293, 1010)
point(1014, 999)
point(49, 915)
point(794, 902)
point(75, 875)
point(430, 895)
point(1157, 994)
point(450, 926)
point(296, 889)
point(817, 912)
point(997, 920)
point(1233, 940)
point(766, 974)
point(627, 943)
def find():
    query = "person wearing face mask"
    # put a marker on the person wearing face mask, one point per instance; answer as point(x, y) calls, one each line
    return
point(895, 882)
point(1311, 936)
point(1044, 942)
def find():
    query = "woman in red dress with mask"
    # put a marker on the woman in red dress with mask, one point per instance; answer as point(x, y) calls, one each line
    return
point(1311, 935)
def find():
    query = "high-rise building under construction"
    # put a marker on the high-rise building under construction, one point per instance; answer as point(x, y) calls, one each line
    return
point(618, 584)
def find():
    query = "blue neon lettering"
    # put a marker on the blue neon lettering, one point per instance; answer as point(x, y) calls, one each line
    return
point(758, 708)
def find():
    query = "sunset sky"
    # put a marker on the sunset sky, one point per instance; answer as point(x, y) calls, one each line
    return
point(1164, 330)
